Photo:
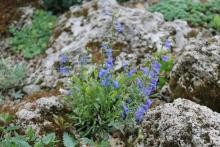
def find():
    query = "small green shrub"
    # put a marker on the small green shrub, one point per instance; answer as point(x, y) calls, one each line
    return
point(216, 22)
point(10, 75)
point(197, 14)
point(60, 5)
point(32, 40)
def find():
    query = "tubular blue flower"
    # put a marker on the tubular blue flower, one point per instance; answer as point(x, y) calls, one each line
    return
point(118, 27)
point(63, 58)
point(167, 44)
point(139, 114)
point(148, 102)
point(145, 70)
point(125, 112)
point(108, 52)
point(64, 70)
point(165, 58)
point(106, 81)
point(131, 72)
point(102, 73)
point(147, 91)
point(109, 63)
point(156, 66)
point(116, 84)
point(154, 81)
point(139, 83)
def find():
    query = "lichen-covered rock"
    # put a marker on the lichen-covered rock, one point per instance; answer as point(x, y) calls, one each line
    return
point(38, 114)
point(49, 104)
point(90, 24)
point(196, 73)
point(182, 123)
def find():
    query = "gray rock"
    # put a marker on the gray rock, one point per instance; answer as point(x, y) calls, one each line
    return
point(89, 25)
point(196, 73)
point(49, 104)
point(31, 89)
point(39, 113)
point(181, 123)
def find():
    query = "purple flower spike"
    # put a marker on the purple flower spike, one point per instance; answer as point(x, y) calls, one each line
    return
point(145, 70)
point(139, 83)
point(102, 73)
point(156, 66)
point(167, 44)
point(131, 72)
point(63, 58)
point(64, 70)
point(116, 84)
point(165, 58)
point(148, 102)
point(147, 91)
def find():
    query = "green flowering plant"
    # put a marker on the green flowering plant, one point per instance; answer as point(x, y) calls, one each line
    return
point(103, 100)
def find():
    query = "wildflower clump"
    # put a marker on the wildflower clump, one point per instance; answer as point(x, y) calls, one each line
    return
point(104, 99)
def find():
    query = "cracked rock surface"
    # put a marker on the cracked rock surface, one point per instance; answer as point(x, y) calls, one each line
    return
point(181, 123)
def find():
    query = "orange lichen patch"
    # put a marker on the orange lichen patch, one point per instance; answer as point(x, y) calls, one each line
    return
point(38, 95)
point(97, 54)
point(10, 107)
point(9, 11)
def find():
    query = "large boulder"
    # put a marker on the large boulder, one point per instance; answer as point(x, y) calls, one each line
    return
point(181, 123)
point(88, 25)
point(196, 73)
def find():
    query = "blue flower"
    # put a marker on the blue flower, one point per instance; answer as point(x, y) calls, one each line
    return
point(116, 84)
point(63, 58)
point(125, 111)
point(131, 72)
point(139, 83)
point(106, 81)
point(108, 52)
point(102, 73)
point(156, 66)
point(167, 44)
point(64, 70)
point(147, 91)
point(145, 70)
point(148, 102)
point(165, 58)
point(139, 114)
point(118, 27)
point(109, 63)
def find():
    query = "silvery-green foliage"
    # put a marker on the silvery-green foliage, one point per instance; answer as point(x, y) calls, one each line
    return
point(10, 75)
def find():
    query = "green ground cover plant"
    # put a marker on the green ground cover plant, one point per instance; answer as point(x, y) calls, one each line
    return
point(32, 40)
point(196, 14)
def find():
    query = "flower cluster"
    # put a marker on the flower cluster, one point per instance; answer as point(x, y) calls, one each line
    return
point(64, 69)
point(105, 74)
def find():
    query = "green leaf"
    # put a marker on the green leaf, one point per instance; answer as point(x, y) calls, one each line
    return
point(68, 141)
